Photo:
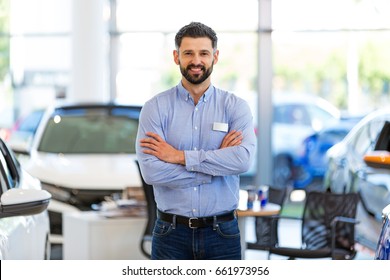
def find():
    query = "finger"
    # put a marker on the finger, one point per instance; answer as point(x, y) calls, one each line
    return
point(233, 136)
point(236, 141)
point(148, 145)
point(154, 135)
point(150, 141)
point(149, 152)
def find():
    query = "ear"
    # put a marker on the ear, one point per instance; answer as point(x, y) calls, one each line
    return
point(176, 57)
point(216, 54)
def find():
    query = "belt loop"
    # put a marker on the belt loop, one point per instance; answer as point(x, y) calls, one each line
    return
point(215, 225)
point(174, 222)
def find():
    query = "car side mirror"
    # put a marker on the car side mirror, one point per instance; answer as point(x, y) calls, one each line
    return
point(22, 202)
point(377, 159)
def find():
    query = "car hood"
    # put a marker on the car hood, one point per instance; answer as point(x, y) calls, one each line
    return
point(90, 171)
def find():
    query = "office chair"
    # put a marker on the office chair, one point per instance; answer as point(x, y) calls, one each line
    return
point(266, 227)
point(152, 215)
point(328, 227)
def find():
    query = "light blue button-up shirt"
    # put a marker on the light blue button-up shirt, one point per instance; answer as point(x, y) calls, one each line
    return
point(209, 182)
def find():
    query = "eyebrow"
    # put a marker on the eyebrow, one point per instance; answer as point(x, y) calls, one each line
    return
point(203, 50)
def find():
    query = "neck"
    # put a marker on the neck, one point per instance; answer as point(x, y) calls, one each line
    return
point(196, 91)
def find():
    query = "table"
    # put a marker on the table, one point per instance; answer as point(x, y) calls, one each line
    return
point(92, 236)
point(269, 210)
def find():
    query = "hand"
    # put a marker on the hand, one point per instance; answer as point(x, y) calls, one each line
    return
point(233, 138)
point(157, 147)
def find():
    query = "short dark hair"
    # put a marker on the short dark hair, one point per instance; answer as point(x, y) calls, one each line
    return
point(196, 30)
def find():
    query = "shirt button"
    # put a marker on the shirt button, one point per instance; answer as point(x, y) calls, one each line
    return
point(196, 109)
point(195, 149)
point(194, 188)
point(196, 127)
point(193, 210)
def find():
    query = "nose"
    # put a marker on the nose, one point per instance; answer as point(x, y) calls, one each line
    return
point(196, 59)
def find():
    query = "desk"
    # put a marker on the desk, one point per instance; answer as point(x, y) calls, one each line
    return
point(91, 236)
point(269, 210)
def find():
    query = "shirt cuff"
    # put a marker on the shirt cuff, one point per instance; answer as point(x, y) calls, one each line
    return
point(193, 160)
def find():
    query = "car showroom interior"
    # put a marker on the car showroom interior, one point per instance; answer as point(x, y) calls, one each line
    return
point(76, 75)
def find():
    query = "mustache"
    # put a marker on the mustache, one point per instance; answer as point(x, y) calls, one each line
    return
point(202, 67)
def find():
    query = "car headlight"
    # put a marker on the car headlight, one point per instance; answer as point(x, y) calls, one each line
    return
point(58, 193)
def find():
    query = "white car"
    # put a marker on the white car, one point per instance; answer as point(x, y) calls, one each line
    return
point(84, 154)
point(24, 221)
point(361, 163)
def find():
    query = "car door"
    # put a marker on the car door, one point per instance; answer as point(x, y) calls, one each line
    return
point(7, 225)
point(21, 237)
point(346, 159)
point(374, 183)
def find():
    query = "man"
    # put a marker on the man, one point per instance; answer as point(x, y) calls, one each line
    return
point(193, 142)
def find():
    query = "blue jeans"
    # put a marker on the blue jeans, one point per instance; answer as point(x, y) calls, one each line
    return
point(179, 242)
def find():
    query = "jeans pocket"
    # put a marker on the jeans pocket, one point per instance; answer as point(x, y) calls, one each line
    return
point(162, 228)
point(229, 229)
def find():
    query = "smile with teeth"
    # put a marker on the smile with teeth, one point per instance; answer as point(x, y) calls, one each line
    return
point(196, 70)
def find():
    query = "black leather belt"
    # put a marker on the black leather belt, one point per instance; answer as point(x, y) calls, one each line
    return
point(196, 222)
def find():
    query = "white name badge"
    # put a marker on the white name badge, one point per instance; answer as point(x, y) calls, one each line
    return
point(220, 127)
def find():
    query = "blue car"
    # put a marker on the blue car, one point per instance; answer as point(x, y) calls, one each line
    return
point(383, 247)
point(311, 163)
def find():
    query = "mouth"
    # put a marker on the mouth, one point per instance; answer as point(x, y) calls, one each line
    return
point(195, 69)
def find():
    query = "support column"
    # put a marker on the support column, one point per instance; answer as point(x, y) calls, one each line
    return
point(89, 80)
point(264, 105)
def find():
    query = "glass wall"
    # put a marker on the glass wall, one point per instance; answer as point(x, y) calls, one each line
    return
point(39, 64)
point(146, 31)
point(334, 49)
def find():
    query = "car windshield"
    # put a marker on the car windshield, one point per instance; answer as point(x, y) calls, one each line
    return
point(98, 131)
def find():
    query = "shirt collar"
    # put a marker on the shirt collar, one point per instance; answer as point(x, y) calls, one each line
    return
point(183, 93)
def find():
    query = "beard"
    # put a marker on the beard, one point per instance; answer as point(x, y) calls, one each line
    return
point(197, 78)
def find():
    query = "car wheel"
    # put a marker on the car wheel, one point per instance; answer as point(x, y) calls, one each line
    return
point(282, 172)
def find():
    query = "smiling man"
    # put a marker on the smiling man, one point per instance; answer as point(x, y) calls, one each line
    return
point(193, 142)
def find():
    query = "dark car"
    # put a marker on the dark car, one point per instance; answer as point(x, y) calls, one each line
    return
point(311, 163)
point(359, 163)
point(383, 247)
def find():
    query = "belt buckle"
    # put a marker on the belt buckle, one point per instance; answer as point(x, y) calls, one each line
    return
point(190, 222)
